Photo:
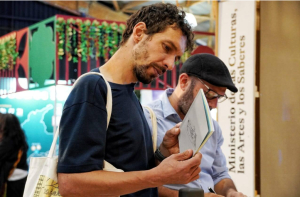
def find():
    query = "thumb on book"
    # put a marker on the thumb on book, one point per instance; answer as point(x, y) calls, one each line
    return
point(184, 155)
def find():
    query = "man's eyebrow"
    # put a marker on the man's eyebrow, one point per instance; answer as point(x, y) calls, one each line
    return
point(172, 44)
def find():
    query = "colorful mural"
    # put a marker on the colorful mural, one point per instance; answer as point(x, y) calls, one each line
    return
point(35, 111)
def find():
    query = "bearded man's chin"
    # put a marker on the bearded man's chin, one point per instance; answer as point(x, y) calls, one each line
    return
point(148, 81)
point(145, 80)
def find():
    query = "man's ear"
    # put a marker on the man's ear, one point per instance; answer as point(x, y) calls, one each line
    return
point(184, 81)
point(139, 31)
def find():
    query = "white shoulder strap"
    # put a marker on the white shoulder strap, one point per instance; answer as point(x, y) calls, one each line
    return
point(109, 96)
point(108, 109)
point(154, 127)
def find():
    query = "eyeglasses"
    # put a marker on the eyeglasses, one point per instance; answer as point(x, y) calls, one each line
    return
point(210, 94)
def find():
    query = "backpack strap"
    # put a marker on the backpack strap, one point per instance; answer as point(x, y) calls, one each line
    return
point(154, 126)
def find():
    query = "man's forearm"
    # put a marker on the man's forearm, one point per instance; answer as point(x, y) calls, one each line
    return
point(100, 182)
point(224, 186)
point(176, 169)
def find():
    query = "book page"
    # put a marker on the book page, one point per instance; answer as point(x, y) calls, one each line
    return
point(196, 126)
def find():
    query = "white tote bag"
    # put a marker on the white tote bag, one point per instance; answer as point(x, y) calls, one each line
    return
point(42, 176)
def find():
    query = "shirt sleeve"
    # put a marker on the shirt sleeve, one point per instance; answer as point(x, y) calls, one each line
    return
point(82, 137)
point(220, 170)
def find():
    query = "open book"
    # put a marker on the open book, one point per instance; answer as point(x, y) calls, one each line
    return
point(197, 125)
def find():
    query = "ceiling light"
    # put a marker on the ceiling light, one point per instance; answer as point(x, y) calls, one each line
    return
point(191, 19)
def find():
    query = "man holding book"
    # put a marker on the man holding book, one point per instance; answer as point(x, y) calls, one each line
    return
point(207, 72)
point(155, 36)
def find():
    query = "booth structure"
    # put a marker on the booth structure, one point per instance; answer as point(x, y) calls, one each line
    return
point(58, 50)
point(40, 63)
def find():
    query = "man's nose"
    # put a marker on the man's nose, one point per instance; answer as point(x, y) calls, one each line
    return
point(169, 62)
point(213, 103)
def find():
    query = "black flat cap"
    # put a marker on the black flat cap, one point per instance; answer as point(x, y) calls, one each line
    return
point(209, 68)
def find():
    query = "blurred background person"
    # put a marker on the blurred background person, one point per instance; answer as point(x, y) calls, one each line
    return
point(13, 165)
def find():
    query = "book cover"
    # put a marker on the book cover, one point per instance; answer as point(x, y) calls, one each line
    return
point(197, 126)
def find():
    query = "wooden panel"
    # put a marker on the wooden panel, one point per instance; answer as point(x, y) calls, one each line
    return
point(279, 98)
point(95, 9)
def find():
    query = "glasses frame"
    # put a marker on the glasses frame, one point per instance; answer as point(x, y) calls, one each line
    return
point(220, 98)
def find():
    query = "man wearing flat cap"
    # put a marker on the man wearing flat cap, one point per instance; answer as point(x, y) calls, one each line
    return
point(207, 72)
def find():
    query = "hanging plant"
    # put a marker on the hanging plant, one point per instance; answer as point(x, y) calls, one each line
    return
point(8, 53)
point(69, 34)
point(84, 40)
point(105, 47)
point(74, 44)
point(93, 38)
point(96, 39)
point(100, 36)
point(78, 49)
point(12, 53)
point(60, 29)
point(108, 42)
point(3, 56)
point(121, 29)
point(87, 38)
point(78, 39)
point(114, 39)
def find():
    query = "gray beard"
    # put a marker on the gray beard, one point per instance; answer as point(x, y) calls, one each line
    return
point(186, 100)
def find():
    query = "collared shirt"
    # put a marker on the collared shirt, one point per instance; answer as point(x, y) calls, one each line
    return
point(213, 163)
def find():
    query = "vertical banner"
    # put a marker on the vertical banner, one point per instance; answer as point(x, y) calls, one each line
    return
point(236, 47)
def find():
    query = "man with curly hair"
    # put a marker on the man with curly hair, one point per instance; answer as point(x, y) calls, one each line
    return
point(156, 36)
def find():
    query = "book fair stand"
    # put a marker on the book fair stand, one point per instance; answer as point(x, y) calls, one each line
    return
point(39, 64)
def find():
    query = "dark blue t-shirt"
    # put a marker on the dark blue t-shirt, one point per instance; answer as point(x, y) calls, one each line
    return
point(84, 142)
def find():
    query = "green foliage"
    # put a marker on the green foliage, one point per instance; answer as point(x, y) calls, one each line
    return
point(8, 53)
point(60, 29)
point(83, 38)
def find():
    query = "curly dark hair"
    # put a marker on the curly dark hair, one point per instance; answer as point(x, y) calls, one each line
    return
point(157, 18)
point(10, 128)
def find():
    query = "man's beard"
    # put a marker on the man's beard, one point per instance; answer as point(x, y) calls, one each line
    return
point(140, 71)
point(141, 74)
point(186, 100)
